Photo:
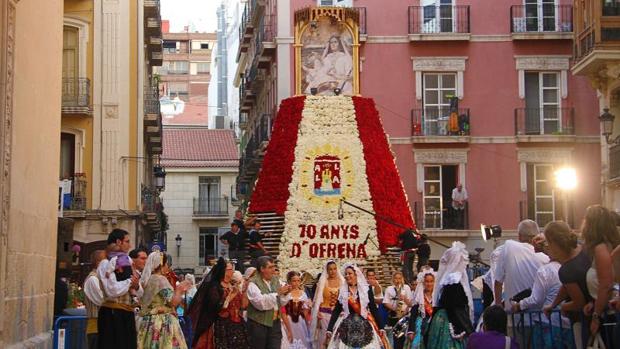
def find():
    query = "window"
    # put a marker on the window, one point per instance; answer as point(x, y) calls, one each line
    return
point(202, 67)
point(438, 16)
point(542, 103)
point(208, 244)
point(540, 15)
point(67, 155)
point(204, 46)
point(70, 52)
point(209, 196)
point(438, 89)
point(541, 199)
point(177, 89)
point(178, 67)
point(170, 47)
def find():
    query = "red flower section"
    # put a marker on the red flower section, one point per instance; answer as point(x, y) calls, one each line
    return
point(271, 191)
point(386, 188)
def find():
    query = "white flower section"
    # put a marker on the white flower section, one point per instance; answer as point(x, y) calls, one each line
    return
point(328, 127)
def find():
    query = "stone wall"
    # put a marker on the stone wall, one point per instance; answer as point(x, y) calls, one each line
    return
point(30, 95)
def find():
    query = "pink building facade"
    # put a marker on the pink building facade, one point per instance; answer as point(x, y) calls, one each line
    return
point(521, 114)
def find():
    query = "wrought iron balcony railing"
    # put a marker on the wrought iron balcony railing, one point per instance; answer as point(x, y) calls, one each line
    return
point(611, 9)
point(541, 18)
point(75, 94)
point(434, 216)
point(545, 121)
point(433, 121)
point(151, 99)
point(209, 206)
point(151, 201)
point(438, 19)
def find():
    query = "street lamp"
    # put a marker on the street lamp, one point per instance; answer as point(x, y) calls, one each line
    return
point(178, 239)
point(160, 177)
point(607, 121)
point(566, 181)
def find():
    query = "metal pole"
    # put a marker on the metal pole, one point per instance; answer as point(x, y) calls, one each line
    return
point(391, 222)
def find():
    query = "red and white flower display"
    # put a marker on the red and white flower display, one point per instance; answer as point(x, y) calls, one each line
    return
point(322, 150)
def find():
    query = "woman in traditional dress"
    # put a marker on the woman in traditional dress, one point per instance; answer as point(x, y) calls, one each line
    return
point(397, 300)
point(453, 304)
point(159, 326)
point(297, 312)
point(325, 299)
point(216, 311)
point(354, 322)
point(422, 309)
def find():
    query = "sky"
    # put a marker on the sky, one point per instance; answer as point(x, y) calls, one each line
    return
point(199, 13)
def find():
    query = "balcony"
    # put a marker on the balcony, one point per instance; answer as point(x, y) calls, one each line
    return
point(246, 96)
point(152, 118)
point(551, 124)
point(153, 209)
point(211, 207)
point(440, 125)
point(614, 163)
point(264, 42)
point(76, 201)
point(243, 120)
point(151, 7)
point(548, 21)
point(152, 26)
point(597, 39)
point(440, 23)
point(76, 96)
point(254, 149)
point(440, 217)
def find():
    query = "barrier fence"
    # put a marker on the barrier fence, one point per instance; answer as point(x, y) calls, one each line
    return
point(533, 329)
point(70, 332)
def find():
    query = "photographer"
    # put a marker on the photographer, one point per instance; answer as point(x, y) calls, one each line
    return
point(398, 300)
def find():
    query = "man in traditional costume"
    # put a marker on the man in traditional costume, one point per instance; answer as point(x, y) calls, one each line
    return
point(116, 322)
point(93, 298)
point(266, 296)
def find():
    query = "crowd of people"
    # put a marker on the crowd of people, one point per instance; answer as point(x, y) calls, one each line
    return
point(568, 280)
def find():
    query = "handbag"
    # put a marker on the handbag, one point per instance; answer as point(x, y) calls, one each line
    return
point(596, 342)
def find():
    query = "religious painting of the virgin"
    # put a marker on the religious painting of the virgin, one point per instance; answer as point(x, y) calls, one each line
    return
point(326, 58)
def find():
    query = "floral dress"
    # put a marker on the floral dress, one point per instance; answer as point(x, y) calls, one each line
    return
point(159, 325)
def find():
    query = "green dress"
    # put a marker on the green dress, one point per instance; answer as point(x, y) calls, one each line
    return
point(159, 326)
point(439, 336)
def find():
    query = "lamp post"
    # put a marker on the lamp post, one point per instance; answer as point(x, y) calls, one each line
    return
point(160, 177)
point(566, 181)
point(178, 239)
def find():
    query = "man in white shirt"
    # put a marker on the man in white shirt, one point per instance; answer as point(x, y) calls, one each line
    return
point(116, 322)
point(266, 296)
point(93, 299)
point(517, 264)
point(516, 269)
point(459, 199)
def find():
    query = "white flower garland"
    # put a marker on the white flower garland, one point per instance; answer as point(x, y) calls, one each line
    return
point(328, 127)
